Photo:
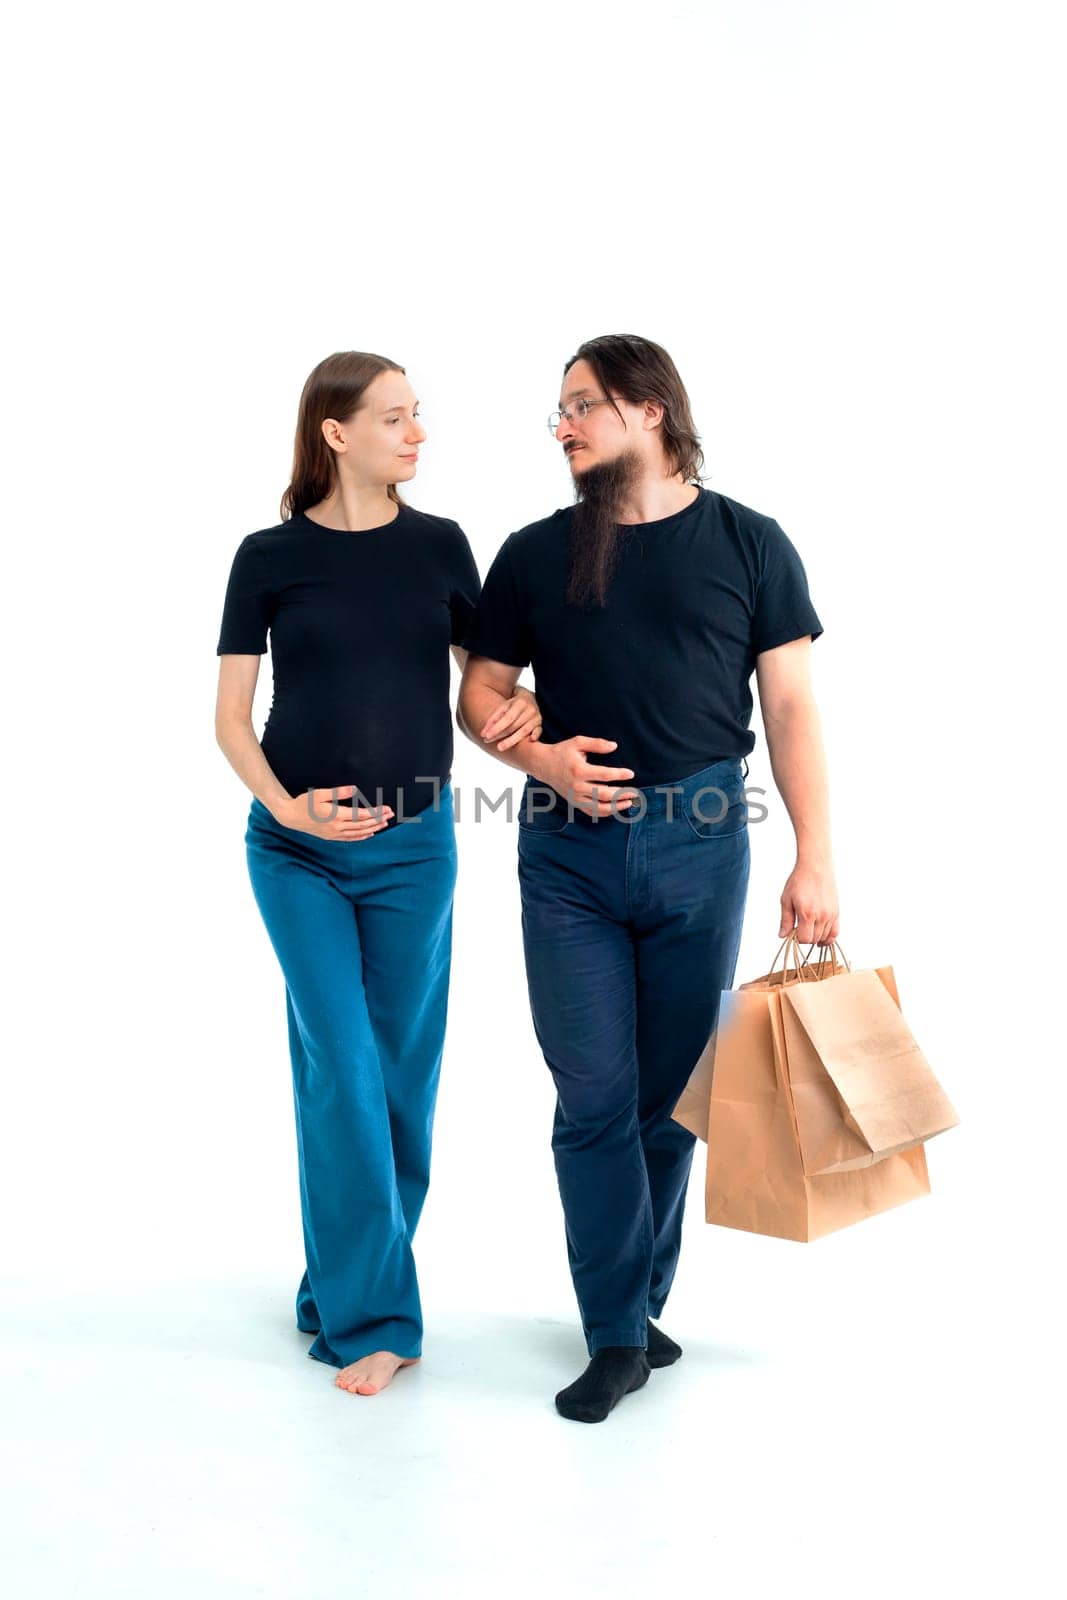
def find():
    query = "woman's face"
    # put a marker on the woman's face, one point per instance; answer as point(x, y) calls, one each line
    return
point(379, 443)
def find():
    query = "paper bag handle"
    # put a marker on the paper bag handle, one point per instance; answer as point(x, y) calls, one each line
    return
point(833, 950)
point(805, 972)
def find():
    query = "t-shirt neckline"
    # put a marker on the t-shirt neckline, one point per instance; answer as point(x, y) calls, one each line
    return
point(305, 521)
point(675, 516)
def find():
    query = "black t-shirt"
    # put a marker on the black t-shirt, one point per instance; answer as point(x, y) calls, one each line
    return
point(664, 666)
point(360, 628)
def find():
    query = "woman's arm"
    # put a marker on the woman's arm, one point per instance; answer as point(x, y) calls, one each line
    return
point(237, 739)
point(235, 734)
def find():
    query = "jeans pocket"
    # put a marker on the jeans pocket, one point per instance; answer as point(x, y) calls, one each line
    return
point(537, 816)
point(717, 811)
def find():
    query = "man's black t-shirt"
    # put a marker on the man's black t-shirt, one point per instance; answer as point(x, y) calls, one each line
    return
point(360, 628)
point(664, 666)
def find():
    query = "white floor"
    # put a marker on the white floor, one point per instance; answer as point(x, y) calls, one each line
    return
point(870, 1415)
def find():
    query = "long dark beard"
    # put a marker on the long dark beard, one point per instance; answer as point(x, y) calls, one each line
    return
point(595, 534)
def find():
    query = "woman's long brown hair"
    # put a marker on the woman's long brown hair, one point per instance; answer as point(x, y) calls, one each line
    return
point(334, 389)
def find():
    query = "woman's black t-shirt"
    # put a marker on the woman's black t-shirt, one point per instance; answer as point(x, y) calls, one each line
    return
point(360, 626)
point(664, 666)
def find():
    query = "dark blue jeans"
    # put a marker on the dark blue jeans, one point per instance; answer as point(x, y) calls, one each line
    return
point(631, 928)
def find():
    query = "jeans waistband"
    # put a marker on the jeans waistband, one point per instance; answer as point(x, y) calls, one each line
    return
point(727, 774)
point(724, 774)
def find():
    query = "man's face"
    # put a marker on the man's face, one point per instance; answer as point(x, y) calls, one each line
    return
point(601, 435)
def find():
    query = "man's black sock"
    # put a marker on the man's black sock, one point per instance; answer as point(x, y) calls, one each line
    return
point(662, 1351)
point(615, 1371)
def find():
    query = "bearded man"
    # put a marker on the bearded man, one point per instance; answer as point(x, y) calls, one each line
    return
point(644, 609)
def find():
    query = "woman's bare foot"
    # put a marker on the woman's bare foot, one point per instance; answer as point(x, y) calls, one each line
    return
point(373, 1372)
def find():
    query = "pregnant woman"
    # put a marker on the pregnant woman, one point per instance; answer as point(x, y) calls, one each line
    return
point(350, 840)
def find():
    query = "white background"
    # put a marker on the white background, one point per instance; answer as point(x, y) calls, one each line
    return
point(840, 220)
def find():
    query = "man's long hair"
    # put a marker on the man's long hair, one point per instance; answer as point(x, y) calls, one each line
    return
point(635, 370)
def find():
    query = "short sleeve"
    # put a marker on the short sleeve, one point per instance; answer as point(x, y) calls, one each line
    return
point(500, 626)
point(247, 609)
point(783, 608)
point(464, 585)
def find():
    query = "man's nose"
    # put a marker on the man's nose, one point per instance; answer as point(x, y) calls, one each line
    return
point(565, 430)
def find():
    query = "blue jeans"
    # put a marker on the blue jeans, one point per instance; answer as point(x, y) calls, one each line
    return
point(631, 928)
point(363, 933)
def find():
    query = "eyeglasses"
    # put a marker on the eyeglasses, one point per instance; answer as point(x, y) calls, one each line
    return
point(580, 409)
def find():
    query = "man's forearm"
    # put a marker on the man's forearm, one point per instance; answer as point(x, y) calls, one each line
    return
point(798, 762)
point(476, 705)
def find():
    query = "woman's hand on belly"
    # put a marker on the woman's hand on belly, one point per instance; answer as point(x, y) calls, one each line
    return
point(318, 813)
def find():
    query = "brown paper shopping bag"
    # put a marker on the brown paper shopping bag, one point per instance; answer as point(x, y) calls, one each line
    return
point(692, 1109)
point(755, 1171)
point(861, 1087)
